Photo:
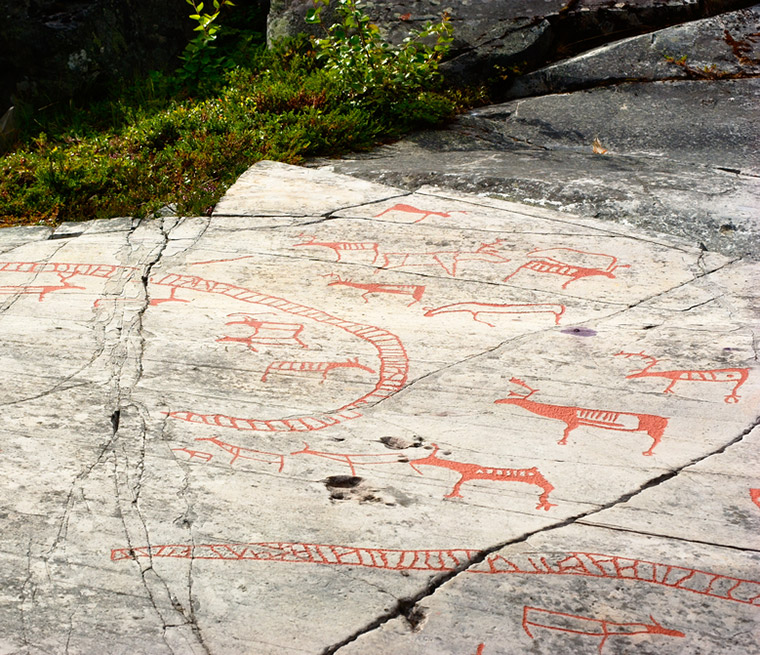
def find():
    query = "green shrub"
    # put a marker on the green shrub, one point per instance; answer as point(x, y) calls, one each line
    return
point(367, 66)
point(285, 104)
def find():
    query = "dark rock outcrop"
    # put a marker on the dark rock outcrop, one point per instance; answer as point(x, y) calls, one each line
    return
point(717, 48)
point(52, 49)
point(503, 36)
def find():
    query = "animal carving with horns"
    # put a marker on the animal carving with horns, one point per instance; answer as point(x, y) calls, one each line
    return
point(575, 417)
point(736, 375)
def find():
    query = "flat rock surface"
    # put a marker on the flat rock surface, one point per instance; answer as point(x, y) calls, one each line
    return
point(658, 131)
point(343, 417)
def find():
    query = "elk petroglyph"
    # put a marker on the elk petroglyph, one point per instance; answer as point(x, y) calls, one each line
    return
point(553, 266)
point(424, 213)
point(414, 290)
point(575, 417)
point(538, 617)
point(738, 376)
point(477, 308)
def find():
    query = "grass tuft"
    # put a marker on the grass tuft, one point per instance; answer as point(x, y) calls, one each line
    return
point(159, 145)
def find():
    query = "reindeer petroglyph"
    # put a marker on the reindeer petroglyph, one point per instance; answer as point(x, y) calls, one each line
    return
point(575, 417)
point(469, 472)
point(267, 333)
point(738, 376)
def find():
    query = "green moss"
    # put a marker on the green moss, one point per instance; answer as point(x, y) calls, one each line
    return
point(155, 145)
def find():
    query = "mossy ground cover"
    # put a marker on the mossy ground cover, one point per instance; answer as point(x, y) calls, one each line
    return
point(133, 155)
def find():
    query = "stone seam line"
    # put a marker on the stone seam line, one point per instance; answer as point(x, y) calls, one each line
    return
point(407, 607)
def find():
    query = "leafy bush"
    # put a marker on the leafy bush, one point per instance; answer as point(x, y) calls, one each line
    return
point(287, 103)
point(367, 66)
point(200, 59)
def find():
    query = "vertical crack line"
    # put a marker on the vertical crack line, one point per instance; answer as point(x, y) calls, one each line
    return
point(23, 595)
point(128, 488)
point(407, 607)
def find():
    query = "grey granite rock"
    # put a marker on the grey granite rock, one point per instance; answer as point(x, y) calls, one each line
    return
point(676, 156)
point(721, 47)
point(493, 37)
point(342, 418)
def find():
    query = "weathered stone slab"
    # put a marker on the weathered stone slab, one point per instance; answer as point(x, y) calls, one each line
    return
point(495, 37)
point(270, 191)
point(720, 47)
point(659, 170)
point(585, 590)
point(259, 440)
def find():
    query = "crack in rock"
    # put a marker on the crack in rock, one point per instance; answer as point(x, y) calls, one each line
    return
point(408, 607)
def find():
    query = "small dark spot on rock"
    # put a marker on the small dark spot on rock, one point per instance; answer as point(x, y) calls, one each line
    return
point(415, 617)
point(580, 332)
point(727, 228)
point(399, 443)
point(648, 327)
point(343, 481)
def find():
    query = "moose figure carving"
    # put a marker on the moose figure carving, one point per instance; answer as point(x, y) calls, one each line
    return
point(736, 375)
point(553, 266)
point(414, 290)
point(575, 417)
point(477, 472)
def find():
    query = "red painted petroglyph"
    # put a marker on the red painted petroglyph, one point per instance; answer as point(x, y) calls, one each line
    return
point(413, 290)
point(408, 209)
point(171, 298)
point(477, 308)
point(552, 266)
point(591, 565)
point(394, 363)
point(469, 472)
point(448, 260)
point(64, 271)
point(738, 376)
point(354, 459)
point(339, 247)
point(538, 617)
point(266, 333)
point(195, 454)
point(313, 367)
point(238, 452)
point(575, 417)
point(35, 290)
point(754, 494)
